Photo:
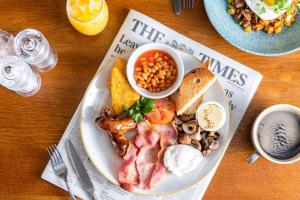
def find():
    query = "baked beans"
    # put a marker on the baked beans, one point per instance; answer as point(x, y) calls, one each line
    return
point(155, 71)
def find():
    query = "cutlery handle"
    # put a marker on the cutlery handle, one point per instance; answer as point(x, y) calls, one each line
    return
point(177, 6)
point(68, 187)
point(253, 157)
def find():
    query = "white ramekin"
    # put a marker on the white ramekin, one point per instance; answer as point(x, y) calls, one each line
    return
point(222, 110)
point(155, 46)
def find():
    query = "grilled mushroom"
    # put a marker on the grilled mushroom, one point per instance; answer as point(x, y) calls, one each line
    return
point(177, 121)
point(190, 127)
point(184, 139)
point(214, 135)
point(196, 135)
point(204, 144)
point(180, 129)
point(214, 145)
point(206, 152)
point(203, 135)
point(217, 135)
point(210, 139)
point(186, 118)
point(196, 144)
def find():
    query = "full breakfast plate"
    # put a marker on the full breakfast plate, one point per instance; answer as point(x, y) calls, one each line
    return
point(158, 138)
point(261, 27)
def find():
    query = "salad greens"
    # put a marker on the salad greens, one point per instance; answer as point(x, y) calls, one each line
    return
point(261, 7)
point(141, 107)
point(280, 5)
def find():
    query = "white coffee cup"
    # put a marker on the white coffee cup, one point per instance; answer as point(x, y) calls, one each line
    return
point(254, 136)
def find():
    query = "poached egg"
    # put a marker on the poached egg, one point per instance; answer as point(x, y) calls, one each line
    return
point(181, 159)
point(269, 9)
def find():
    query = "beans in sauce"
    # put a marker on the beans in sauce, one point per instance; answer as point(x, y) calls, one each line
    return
point(155, 71)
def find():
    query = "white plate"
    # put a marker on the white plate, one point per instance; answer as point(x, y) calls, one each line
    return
point(98, 146)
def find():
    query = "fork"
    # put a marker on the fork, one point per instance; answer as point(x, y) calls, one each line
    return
point(188, 3)
point(59, 166)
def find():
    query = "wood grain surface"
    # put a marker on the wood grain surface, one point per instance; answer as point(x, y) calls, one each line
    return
point(29, 125)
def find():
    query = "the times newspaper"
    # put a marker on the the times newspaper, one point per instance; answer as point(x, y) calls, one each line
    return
point(239, 82)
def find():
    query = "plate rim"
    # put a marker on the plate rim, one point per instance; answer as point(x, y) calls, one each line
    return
point(112, 181)
point(242, 48)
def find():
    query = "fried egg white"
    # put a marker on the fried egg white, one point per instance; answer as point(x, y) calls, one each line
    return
point(265, 11)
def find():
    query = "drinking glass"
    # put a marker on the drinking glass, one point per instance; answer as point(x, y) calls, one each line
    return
point(16, 75)
point(32, 46)
point(6, 43)
point(89, 17)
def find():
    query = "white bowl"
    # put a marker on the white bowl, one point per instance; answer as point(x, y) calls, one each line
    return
point(155, 46)
point(222, 110)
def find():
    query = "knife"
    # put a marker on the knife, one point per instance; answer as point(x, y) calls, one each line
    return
point(177, 6)
point(80, 170)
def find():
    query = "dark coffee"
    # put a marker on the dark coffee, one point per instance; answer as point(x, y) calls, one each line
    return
point(279, 134)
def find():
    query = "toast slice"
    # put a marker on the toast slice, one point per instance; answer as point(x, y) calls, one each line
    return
point(194, 84)
point(193, 108)
point(190, 110)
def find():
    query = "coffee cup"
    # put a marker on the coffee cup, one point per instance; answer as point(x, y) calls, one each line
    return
point(275, 135)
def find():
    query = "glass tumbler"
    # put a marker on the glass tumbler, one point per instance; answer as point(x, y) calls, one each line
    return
point(32, 46)
point(16, 75)
point(6, 43)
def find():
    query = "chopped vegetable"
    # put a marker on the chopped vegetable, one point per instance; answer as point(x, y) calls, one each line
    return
point(261, 7)
point(141, 107)
point(280, 5)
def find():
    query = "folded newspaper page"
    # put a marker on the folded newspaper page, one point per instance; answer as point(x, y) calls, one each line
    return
point(239, 82)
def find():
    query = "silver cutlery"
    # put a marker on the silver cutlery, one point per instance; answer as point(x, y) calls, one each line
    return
point(59, 166)
point(177, 6)
point(80, 170)
point(188, 3)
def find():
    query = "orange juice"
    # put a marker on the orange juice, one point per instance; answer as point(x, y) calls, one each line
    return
point(89, 17)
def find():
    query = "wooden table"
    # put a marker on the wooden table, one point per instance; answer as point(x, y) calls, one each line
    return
point(29, 125)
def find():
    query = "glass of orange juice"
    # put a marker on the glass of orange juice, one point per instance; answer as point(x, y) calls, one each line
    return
point(89, 17)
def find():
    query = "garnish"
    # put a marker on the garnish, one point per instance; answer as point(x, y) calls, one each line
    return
point(280, 5)
point(288, 9)
point(298, 5)
point(141, 107)
point(261, 7)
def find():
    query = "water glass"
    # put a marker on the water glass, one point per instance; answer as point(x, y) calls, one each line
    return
point(6, 43)
point(32, 46)
point(16, 75)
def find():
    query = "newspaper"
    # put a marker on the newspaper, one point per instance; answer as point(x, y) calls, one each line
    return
point(239, 81)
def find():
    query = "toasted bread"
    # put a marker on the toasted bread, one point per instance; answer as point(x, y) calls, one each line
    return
point(193, 108)
point(190, 110)
point(194, 84)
